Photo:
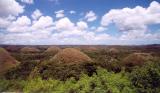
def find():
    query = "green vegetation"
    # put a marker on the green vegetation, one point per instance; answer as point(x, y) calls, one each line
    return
point(62, 71)
point(102, 82)
point(83, 70)
point(146, 79)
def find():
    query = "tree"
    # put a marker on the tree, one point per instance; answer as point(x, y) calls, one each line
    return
point(146, 79)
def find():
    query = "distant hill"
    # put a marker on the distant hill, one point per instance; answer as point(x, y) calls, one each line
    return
point(29, 50)
point(52, 50)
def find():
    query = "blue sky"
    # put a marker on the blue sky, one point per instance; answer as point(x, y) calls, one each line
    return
point(106, 22)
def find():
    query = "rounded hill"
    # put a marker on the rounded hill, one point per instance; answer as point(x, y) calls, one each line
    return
point(136, 59)
point(71, 56)
point(53, 50)
point(6, 61)
point(29, 50)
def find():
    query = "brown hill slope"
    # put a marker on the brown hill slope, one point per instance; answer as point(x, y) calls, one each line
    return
point(113, 51)
point(136, 59)
point(52, 50)
point(29, 50)
point(6, 61)
point(71, 56)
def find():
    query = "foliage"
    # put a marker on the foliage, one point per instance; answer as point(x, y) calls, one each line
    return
point(11, 85)
point(62, 71)
point(146, 79)
point(37, 74)
point(102, 82)
point(23, 57)
point(22, 71)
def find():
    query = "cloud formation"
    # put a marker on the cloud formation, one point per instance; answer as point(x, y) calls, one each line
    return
point(21, 24)
point(27, 1)
point(39, 28)
point(101, 29)
point(133, 22)
point(36, 14)
point(90, 16)
point(59, 14)
point(72, 12)
point(10, 7)
point(82, 25)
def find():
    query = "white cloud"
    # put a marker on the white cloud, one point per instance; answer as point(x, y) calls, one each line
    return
point(90, 16)
point(36, 14)
point(59, 14)
point(93, 38)
point(100, 29)
point(21, 24)
point(6, 21)
point(10, 7)
point(27, 1)
point(134, 34)
point(22, 21)
point(64, 24)
point(72, 12)
point(23, 30)
point(143, 35)
point(103, 37)
point(24, 38)
point(134, 22)
point(154, 8)
point(43, 23)
point(24, 25)
point(82, 25)
point(137, 17)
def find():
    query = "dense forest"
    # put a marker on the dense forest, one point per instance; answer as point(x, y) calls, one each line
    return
point(80, 69)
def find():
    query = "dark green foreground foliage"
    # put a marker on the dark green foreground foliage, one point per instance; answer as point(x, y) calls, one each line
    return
point(22, 71)
point(146, 79)
point(62, 71)
point(103, 82)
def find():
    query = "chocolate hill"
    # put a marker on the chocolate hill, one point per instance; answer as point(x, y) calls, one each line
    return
point(113, 50)
point(29, 50)
point(69, 62)
point(71, 56)
point(52, 50)
point(89, 49)
point(136, 59)
point(6, 61)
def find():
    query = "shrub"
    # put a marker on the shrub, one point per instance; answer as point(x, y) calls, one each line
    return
point(146, 79)
point(62, 71)
point(103, 82)
point(22, 71)
point(11, 85)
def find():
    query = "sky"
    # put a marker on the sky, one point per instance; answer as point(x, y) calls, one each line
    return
point(79, 22)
